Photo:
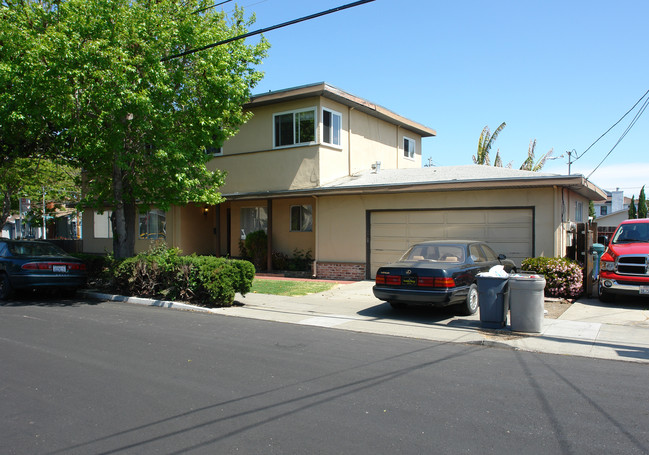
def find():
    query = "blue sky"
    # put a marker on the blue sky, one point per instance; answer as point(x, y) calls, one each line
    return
point(560, 72)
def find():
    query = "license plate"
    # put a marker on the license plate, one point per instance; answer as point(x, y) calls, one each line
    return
point(59, 269)
point(644, 289)
point(409, 280)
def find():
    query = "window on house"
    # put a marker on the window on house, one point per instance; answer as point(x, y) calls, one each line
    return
point(153, 225)
point(603, 210)
point(214, 151)
point(103, 227)
point(331, 127)
point(253, 219)
point(409, 148)
point(294, 128)
point(579, 208)
point(301, 218)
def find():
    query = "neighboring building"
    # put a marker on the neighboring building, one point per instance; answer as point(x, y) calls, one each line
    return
point(611, 212)
point(324, 171)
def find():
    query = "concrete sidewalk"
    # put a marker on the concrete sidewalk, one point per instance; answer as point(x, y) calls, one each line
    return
point(588, 328)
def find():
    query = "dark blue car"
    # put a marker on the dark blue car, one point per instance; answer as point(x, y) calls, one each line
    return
point(33, 264)
point(438, 273)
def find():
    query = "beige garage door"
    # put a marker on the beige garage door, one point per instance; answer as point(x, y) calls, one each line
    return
point(507, 231)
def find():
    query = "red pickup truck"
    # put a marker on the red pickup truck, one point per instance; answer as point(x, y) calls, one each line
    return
point(624, 266)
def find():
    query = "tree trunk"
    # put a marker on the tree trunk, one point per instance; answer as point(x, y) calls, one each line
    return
point(123, 217)
point(6, 210)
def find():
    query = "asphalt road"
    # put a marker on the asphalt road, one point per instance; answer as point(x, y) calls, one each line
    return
point(81, 377)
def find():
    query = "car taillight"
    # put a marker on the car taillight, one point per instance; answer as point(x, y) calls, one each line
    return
point(393, 280)
point(49, 265)
point(444, 283)
point(432, 282)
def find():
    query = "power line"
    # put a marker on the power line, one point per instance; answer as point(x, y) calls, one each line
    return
point(633, 122)
point(268, 29)
point(614, 125)
point(198, 11)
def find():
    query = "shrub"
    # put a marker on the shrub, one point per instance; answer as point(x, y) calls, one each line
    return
point(564, 277)
point(301, 261)
point(256, 246)
point(204, 280)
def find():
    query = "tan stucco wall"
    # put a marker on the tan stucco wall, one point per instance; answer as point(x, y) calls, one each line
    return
point(283, 239)
point(197, 229)
point(341, 229)
point(254, 165)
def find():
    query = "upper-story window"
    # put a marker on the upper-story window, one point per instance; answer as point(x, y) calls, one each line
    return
point(214, 151)
point(603, 210)
point(331, 127)
point(294, 128)
point(409, 146)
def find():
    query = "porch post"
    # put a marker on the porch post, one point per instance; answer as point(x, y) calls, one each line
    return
point(269, 259)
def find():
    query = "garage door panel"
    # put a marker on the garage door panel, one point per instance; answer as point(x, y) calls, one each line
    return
point(434, 231)
point(426, 217)
point(389, 217)
point(390, 230)
point(509, 217)
point(507, 231)
point(466, 217)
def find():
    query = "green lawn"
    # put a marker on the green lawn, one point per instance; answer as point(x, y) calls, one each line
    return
point(289, 287)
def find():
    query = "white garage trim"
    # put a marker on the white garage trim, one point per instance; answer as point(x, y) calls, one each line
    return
point(508, 230)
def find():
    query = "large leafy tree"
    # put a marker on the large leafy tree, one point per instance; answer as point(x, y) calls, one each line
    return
point(108, 94)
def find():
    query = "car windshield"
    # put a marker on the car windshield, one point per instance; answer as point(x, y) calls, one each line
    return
point(632, 233)
point(34, 249)
point(437, 253)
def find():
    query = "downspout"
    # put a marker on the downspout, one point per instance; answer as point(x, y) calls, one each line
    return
point(349, 140)
point(397, 154)
point(314, 272)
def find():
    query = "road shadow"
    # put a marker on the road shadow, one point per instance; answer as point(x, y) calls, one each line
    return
point(619, 302)
point(46, 298)
point(414, 314)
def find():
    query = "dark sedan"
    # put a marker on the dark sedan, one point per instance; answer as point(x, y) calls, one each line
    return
point(31, 264)
point(438, 273)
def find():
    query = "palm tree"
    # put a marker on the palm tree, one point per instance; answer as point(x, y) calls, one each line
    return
point(484, 144)
point(528, 164)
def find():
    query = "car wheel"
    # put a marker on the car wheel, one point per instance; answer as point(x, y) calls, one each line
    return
point(604, 296)
point(397, 305)
point(5, 287)
point(470, 305)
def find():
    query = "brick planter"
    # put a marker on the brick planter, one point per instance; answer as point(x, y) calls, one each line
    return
point(348, 271)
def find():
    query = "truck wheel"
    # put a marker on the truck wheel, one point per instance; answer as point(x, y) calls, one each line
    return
point(604, 296)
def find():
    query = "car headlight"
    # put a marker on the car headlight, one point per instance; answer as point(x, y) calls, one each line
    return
point(607, 266)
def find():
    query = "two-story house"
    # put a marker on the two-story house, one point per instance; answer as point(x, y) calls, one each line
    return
point(324, 171)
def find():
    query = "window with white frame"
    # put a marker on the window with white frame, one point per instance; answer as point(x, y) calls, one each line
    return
point(301, 218)
point(409, 146)
point(153, 225)
point(253, 219)
point(331, 127)
point(579, 209)
point(294, 128)
point(103, 227)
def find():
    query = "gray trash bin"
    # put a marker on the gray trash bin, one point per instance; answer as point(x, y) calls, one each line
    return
point(526, 297)
point(493, 301)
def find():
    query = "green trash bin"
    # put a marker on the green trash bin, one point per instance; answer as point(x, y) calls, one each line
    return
point(526, 299)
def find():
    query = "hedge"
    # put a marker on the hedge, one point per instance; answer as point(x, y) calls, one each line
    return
point(564, 277)
point(163, 273)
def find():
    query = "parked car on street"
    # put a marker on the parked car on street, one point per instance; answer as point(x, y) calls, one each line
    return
point(33, 264)
point(438, 273)
point(624, 266)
